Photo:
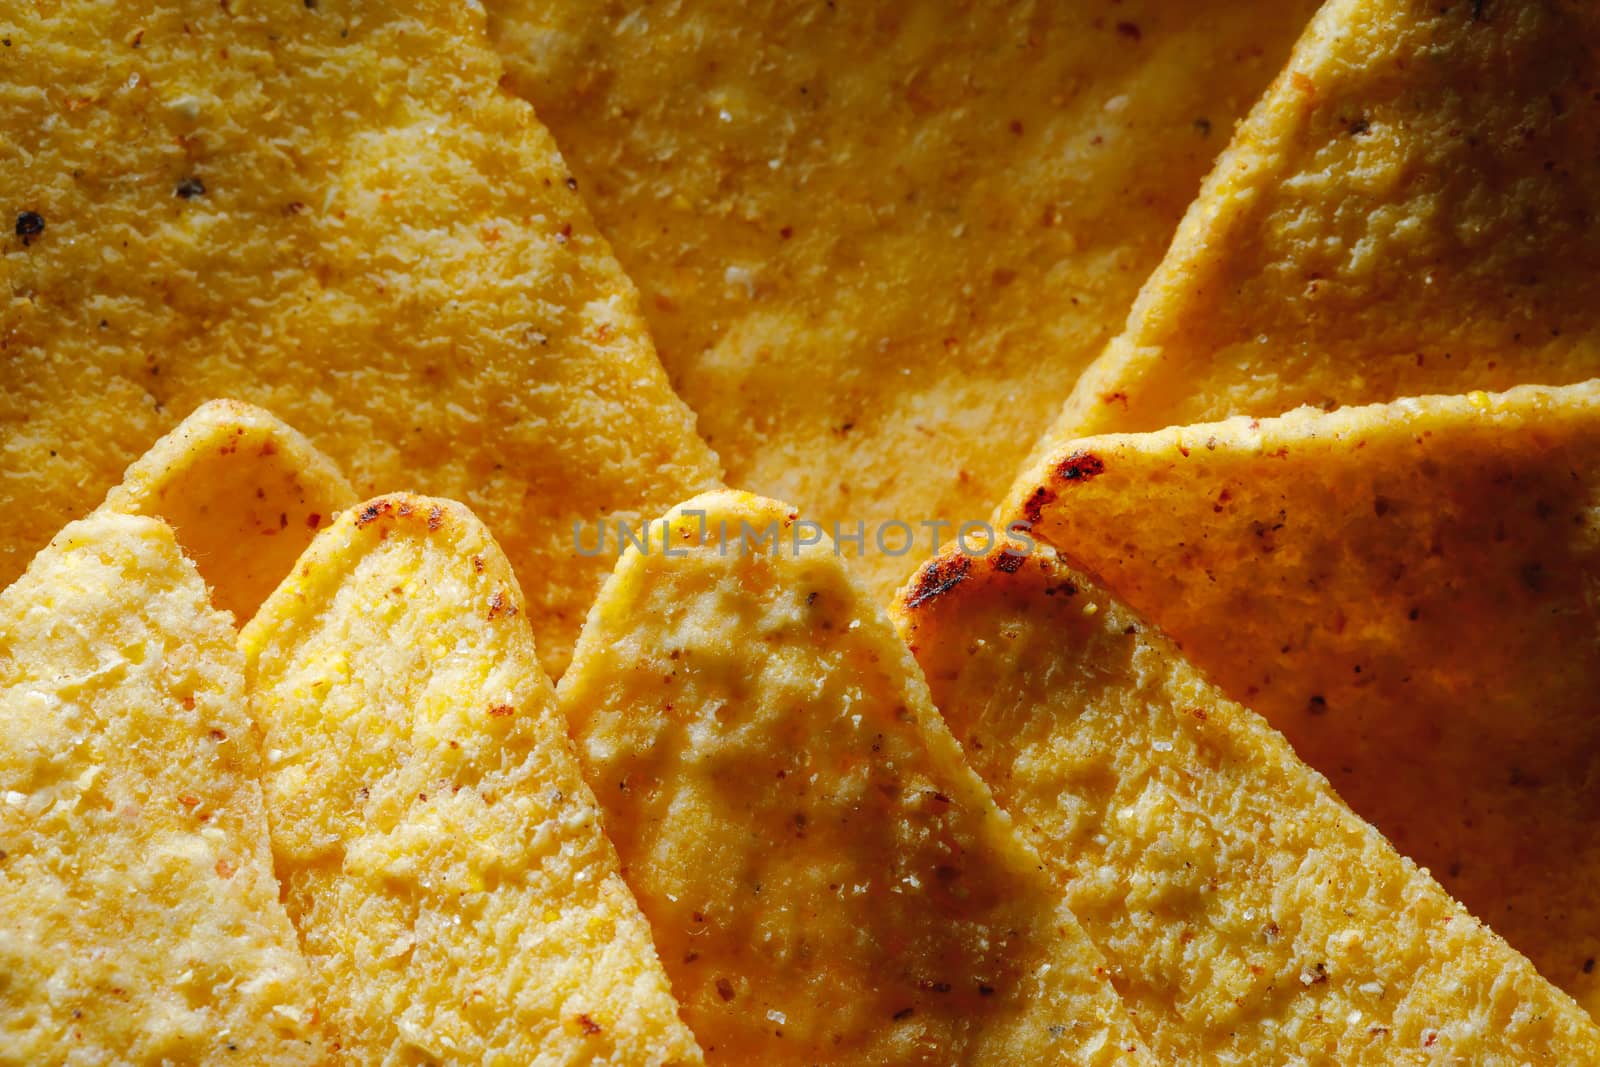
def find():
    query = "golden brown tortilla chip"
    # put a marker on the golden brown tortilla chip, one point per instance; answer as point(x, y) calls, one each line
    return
point(1410, 209)
point(878, 241)
point(1248, 916)
point(139, 916)
point(330, 210)
point(244, 494)
point(1411, 593)
point(441, 857)
point(827, 880)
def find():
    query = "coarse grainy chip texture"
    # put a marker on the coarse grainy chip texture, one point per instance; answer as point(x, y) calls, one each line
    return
point(1249, 917)
point(330, 210)
point(139, 917)
point(1411, 593)
point(1409, 209)
point(244, 494)
point(441, 857)
point(878, 241)
point(828, 882)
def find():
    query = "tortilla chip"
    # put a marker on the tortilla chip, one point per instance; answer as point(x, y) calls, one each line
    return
point(441, 856)
point(1408, 210)
point(244, 494)
point(1248, 916)
point(878, 242)
point(1409, 593)
point(330, 210)
point(827, 880)
point(139, 917)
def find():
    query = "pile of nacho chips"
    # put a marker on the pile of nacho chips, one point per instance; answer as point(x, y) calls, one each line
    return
point(448, 606)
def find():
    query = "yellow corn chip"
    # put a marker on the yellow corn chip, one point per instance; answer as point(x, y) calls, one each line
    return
point(1409, 210)
point(1248, 916)
point(243, 492)
point(333, 211)
point(878, 241)
point(1409, 592)
point(441, 857)
point(139, 917)
point(827, 880)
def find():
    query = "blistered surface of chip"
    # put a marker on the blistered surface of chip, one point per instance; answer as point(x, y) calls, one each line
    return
point(441, 857)
point(1411, 593)
point(244, 494)
point(139, 916)
point(1408, 210)
point(878, 241)
point(1247, 915)
point(330, 210)
point(827, 880)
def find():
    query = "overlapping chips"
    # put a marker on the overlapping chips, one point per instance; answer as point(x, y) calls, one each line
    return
point(878, 241)
point(333, 211)
point(139, 916)
point(1248, 916)
point(244, 494)
point(1409, 210)
point(441, 857)
point(1411, 593)
point(827, 880)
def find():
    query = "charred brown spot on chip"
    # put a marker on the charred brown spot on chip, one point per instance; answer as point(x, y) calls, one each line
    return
point(1007, 562)
point(1038, 500)
point(500, 711)
point(30, 224)
point(435, 517)
point(371, 512)
point(938, 578)
point(1080, 467)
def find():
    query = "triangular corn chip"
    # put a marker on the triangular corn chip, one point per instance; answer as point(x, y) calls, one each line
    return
point(1410, 209)
point(1411, 593)
point(441, 856)
point(1249, 917)
point(827, 880)
point(878, 242)
point(244, 494)
point(139, 917)
point(331, 210)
